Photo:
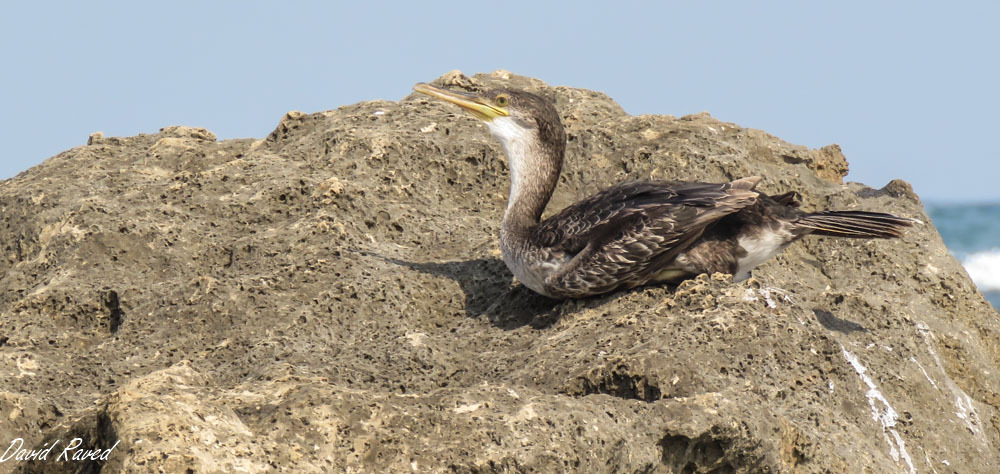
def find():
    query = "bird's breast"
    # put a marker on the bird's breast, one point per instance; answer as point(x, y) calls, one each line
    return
point(532, 266)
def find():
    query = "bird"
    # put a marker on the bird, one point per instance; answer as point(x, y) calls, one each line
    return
point(639, 232)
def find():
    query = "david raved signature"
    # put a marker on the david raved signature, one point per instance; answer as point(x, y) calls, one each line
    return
point(71, 452)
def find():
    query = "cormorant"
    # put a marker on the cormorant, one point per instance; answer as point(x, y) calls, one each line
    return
point(638, 232)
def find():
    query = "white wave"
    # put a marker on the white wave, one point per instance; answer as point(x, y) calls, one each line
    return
point(984, 268)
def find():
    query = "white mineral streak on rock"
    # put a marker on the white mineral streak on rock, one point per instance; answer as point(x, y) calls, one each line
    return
point(965, 406)
point(884, 414)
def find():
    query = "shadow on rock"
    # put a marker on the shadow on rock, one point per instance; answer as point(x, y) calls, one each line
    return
point(486, 283)
point(833, 323)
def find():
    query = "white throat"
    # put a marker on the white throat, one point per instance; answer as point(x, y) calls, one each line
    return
point(517, 142)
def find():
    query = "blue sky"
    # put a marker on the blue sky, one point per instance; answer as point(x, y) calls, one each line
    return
point(908, 89)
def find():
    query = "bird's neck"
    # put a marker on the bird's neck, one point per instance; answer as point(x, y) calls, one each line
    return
point(534, 172)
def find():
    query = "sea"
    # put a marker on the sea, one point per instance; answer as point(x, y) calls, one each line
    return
point(972, 234)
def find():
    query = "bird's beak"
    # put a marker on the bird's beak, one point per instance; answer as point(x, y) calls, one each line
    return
point(476, 105)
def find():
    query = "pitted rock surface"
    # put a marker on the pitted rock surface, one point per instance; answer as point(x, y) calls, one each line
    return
point(331, 298)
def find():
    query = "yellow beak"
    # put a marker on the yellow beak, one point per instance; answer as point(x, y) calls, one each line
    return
point(476, 105)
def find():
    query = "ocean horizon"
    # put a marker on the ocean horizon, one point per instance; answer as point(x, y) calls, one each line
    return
point(971, 231)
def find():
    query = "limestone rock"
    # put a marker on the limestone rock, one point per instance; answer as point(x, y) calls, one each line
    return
point(331, 298)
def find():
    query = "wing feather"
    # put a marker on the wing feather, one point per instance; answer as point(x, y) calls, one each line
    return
point(620, 236)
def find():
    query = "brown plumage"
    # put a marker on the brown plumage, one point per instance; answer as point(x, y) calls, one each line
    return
point(638, 232)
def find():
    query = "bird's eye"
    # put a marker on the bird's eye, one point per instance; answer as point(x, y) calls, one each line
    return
point(501, 100)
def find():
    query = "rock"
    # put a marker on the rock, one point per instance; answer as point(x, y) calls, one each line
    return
point(900, 188)
point(178, 131)
point(331, 299)
point(830, 163)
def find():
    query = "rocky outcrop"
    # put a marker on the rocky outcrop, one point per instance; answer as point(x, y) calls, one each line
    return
point(331, 298)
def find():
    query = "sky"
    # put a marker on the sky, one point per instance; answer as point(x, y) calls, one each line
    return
point(908, 89)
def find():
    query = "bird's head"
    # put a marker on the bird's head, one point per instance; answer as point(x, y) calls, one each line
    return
point(513, 116)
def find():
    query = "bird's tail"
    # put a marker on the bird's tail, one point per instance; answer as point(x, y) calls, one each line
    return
point(856, 224)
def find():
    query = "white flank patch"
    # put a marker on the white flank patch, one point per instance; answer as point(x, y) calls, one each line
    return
point(759, 249)
point(884, 414)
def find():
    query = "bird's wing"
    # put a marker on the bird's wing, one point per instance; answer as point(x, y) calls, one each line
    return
point(620, 235)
